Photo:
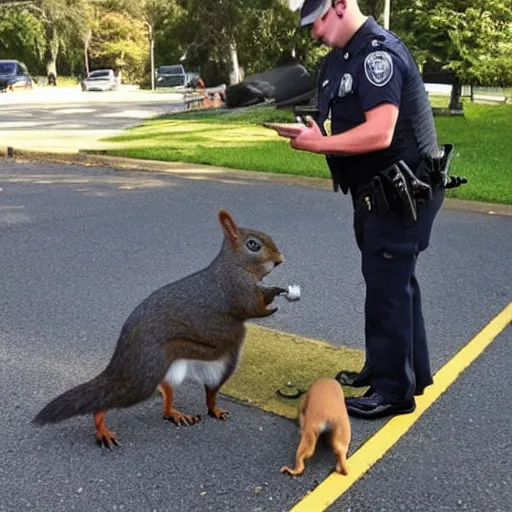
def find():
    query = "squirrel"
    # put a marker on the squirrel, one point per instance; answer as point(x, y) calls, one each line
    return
point(322, 409)
point(193, 327)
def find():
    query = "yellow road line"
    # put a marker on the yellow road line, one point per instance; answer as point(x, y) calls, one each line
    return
point(376, 447)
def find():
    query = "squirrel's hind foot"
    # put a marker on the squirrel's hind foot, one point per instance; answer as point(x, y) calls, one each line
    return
point(107, 440)
point(178, 418)
point(218, 414)
point(104, 437)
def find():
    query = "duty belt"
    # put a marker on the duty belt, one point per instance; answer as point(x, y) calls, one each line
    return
point(400, 189)
point(393, 189)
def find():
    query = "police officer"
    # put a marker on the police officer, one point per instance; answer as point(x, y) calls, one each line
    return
point(380, 117)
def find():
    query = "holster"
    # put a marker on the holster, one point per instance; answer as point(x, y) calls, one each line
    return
point(393, 189)
point(397, 188)
point(439, 166)
point(338, 179)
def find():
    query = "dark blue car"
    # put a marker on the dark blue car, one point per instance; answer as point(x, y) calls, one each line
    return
point(14, 76)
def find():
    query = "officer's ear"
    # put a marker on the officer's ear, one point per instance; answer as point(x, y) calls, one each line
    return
point(339, 7)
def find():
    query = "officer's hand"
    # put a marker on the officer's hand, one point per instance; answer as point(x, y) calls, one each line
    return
point(307, 137)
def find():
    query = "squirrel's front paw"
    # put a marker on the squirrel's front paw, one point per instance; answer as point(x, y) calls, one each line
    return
point(271, 292)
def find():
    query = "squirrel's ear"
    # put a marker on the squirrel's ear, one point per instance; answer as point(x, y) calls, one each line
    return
point(229, 226)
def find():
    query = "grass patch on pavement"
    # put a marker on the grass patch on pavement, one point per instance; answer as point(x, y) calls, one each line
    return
point(236, 139)
point(271, 359)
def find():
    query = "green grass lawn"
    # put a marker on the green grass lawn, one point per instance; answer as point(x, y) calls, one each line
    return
point(224, 138)
point(236, 139)
point(483, 151)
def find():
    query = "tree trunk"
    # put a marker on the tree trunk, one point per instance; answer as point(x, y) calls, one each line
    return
point(152, 56)
point(87, 40)
point(235, 77)
point(52, 51)
point(151, 38)
point(86, 60)
point(152, 51)
point(455, 103)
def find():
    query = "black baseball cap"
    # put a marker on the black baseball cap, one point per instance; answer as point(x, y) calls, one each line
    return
point(313, 9)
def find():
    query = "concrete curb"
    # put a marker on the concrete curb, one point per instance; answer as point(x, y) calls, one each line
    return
point(187, 170)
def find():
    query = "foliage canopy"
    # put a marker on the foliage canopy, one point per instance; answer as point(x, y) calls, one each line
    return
point(473, 40)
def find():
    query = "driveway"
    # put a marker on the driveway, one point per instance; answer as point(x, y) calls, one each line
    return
point(67, 119)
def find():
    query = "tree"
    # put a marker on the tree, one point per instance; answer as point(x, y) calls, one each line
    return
point(271, 36)
point(217, 32)
point(60, 19)
point(472, 40)
point(119, 42)
point(21, 36)
point(152, 13)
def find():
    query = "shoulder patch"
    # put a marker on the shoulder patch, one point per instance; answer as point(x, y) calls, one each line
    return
point(378, 67)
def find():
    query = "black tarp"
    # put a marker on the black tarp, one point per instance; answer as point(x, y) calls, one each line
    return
point(287, 85)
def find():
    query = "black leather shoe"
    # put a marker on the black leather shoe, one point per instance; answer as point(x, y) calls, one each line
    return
point(375, 405)
point(418, 392)
point(354, 379)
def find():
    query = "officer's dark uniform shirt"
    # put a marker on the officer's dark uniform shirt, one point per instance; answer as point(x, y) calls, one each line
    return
point(374, 68)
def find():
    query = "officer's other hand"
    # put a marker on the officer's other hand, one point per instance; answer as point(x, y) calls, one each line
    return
point(308, 136)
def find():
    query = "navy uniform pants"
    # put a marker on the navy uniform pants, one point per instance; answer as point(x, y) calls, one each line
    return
point(396, 342)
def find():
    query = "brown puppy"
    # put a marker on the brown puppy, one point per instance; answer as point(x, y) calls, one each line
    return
point(322, 409)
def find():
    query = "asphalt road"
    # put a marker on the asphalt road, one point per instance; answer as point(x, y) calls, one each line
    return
point(66, 120)
point(80, 247)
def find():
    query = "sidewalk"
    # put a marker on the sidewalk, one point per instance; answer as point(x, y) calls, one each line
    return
point(83, 157)
point(66, 120)
point(56, 95)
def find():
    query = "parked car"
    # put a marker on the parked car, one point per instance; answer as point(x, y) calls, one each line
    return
point(171, 76)
point(175, 76)
point(14, 76)
point(101, 80)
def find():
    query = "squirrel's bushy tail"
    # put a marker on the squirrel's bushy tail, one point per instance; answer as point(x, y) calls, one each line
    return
point(86, 398)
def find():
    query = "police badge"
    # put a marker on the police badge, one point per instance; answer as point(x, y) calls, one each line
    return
point(378, 67)
point(345, 87)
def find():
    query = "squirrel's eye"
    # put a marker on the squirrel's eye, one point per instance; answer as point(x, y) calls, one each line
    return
point(252, 245)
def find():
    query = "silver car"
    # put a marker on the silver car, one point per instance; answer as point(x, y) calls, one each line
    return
point(101, 80)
